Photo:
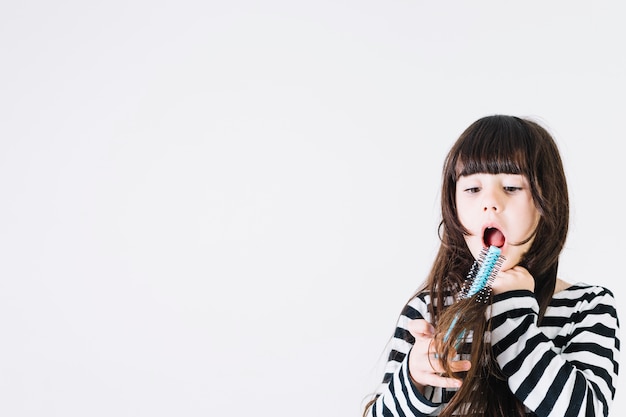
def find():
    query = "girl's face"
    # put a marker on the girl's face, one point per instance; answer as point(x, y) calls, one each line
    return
point(497, 209)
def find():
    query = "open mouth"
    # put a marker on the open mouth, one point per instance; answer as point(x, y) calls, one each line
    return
point(493, 237)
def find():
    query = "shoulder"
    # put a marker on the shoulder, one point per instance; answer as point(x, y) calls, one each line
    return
point(581, 290)
point(581, 296)
point(417, 307)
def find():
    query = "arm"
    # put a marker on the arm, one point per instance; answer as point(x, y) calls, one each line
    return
point(566, 367)
point(397, 395)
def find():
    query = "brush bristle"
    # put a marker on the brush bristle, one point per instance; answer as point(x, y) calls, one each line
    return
point(481, 275)
point(478, 282)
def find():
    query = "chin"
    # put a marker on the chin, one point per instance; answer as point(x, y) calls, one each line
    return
point(511, 259)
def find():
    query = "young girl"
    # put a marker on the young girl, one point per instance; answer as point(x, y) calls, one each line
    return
point(539, 346)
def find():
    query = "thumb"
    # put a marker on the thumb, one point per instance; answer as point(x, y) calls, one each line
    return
point(420, 328)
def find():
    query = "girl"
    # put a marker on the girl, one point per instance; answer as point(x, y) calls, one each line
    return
point(539, 346)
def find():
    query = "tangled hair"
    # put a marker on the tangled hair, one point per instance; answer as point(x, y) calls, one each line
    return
point(495, 144)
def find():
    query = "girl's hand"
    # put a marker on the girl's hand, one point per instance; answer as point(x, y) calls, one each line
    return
point(516, 278)
point(424, 367)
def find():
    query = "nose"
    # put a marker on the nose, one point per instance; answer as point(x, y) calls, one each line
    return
point(492, 202)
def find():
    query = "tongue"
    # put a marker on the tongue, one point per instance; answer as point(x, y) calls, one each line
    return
point(494, 237)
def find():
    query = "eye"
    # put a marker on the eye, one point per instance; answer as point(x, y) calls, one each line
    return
point(472, 190)
point(512, 189)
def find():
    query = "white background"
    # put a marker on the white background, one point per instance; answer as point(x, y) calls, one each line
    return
point(219, 208)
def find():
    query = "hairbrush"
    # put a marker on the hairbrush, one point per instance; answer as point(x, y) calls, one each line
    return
point(479, 280)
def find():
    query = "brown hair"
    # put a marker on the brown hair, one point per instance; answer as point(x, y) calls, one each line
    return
point(495, 144)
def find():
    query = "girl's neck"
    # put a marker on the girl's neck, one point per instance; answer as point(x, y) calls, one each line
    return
point(561, 285)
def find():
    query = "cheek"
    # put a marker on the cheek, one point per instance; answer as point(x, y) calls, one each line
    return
point(533, 220)
point(527, 217)
point(462, 214)
point(464, 222)
point(474, 245)
point(471, 222)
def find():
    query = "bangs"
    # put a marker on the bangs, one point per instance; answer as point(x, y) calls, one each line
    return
point(502, 151)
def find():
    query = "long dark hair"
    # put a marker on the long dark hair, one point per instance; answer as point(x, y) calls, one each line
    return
point(495, 144)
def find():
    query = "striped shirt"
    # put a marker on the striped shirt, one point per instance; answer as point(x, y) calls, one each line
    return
point(566, 367)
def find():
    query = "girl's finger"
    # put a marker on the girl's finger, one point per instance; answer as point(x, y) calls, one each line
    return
point(420, 327)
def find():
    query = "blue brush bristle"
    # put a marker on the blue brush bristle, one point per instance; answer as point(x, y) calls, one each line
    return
point(484, 272)
point(479, 280)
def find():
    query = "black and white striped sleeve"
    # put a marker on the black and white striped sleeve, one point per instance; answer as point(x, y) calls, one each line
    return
point(566, 367)
point(397, 396)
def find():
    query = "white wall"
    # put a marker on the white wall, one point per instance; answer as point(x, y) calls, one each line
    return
point(219, 208)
